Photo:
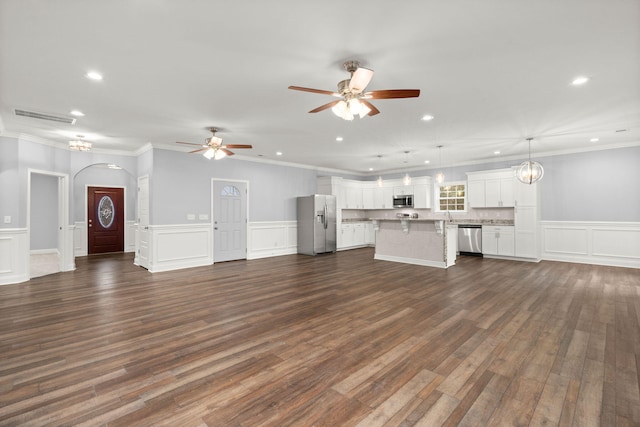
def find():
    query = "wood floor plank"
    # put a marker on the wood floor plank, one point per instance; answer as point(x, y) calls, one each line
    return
point(333, 340)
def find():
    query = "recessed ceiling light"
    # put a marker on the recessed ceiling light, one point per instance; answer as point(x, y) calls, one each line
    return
point(427, 117)
point(278, 153)
point(594, 139)
point(427, 162)
point(77, 113)
point(93, 75)
point(496, 152)
point(579, 81)
point(370, 169)
point(339, 138)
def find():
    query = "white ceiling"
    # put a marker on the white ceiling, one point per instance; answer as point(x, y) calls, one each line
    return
point(492, 72)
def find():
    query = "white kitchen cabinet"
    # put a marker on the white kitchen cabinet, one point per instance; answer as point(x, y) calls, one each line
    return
point(359, 234)
point(353, 195)
point(402, 190)
point(526, 220)
point(383, 197)
point(369, 234)
point(422, 190)
point(498, 240)
point(346, 240)
point(354, 234)
point(368, 196)
point(491, 189)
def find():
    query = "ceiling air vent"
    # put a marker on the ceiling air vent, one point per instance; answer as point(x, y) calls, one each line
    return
point(43, 116)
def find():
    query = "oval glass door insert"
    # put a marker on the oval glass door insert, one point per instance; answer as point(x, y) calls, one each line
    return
point(105, 211)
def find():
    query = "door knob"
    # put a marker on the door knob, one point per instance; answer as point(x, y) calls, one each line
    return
point(215, 228)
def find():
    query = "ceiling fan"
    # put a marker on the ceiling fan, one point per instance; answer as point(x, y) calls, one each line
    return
point(353, 100)
point(213, 147)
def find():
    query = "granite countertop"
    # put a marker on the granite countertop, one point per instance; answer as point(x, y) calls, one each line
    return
point(453, 222)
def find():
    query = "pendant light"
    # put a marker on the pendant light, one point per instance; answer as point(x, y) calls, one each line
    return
point(379, 180)
point(407, 179)
point(440, 175)
point(529, 172)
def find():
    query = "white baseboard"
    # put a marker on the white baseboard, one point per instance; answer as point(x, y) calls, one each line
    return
point(614, 244)
point(45, 251)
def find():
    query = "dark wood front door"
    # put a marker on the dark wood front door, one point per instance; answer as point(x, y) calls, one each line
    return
point(105, 220)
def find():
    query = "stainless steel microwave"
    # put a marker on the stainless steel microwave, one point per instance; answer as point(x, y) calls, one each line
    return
point(404, 201)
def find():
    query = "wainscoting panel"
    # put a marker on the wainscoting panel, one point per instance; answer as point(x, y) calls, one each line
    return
point(14, 256)
point(603, 243)
point(179, 246)
point(272, 238)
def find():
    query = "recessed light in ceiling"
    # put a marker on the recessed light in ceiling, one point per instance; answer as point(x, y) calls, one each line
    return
point(278, 153)
point(594, 139)
point(579, 81)
point(370, 169)
point(496, 152)
point(94, 75)
point(77, 113)
point(427, 162)
point(339, 138)
point(427, 117)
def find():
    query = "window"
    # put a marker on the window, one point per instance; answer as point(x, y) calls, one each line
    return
point(451, 196)
point(230, 190)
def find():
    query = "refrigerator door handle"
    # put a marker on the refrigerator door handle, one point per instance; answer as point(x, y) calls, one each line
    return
point(325, 217)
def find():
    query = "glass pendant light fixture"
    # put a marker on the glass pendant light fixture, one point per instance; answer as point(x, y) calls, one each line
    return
point(440, 175)
point(379, 180)
point(407, 179)
point(529, 172)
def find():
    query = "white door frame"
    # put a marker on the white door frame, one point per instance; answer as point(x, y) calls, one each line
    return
point(213, 246)
point(63, 219)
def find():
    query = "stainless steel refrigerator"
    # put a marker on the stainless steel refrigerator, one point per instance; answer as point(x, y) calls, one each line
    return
point(316, 224)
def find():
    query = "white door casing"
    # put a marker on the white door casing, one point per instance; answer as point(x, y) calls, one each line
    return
point(142, 250)
point(229, 216)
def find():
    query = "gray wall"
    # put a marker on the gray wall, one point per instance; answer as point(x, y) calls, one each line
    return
point(593, 186)
point(181, 184)
point(101, 176)
point(44, 212)
point(9, 182)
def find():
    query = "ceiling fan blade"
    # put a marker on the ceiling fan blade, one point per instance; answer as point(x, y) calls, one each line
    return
point(308, 89)
point(393, 93)
point(189, 143)
point(360, 79)
point(372, 107)
point(237, 146)
point(225, 151)
point(199, 150)
point(325, 106)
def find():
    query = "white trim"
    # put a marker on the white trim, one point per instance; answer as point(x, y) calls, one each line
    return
point(594, 242)
point(272, 238)
point(44, 251)
point(414, 261)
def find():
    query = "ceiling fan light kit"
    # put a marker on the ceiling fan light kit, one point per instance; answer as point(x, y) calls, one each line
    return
point(529, 171)
point(353, 100)
point(214, 149)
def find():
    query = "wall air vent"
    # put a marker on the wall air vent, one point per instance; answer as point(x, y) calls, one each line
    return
point(44, 116)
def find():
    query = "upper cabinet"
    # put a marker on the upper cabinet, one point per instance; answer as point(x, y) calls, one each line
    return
point(491, 189)
point(353, 194)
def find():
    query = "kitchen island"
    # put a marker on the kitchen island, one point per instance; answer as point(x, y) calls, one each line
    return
point(425, 242)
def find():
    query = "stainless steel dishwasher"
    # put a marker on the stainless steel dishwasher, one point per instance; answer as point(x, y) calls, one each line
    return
point(470, 239)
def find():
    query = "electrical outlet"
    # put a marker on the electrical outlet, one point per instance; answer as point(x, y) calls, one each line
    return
point(191, 217)
point(203, 217)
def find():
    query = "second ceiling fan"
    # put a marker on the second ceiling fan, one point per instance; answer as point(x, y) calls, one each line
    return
point(353, 100)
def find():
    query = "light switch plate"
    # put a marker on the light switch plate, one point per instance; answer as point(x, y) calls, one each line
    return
point(203, 216)
point(7, 219)
point(191, 217)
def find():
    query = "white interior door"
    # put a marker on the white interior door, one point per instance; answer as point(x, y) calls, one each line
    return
point(142, 240)
point(229, 220)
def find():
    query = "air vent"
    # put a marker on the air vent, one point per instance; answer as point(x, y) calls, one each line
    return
point(43, 116)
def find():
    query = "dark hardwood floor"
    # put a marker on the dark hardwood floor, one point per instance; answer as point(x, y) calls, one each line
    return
point(333, 340)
